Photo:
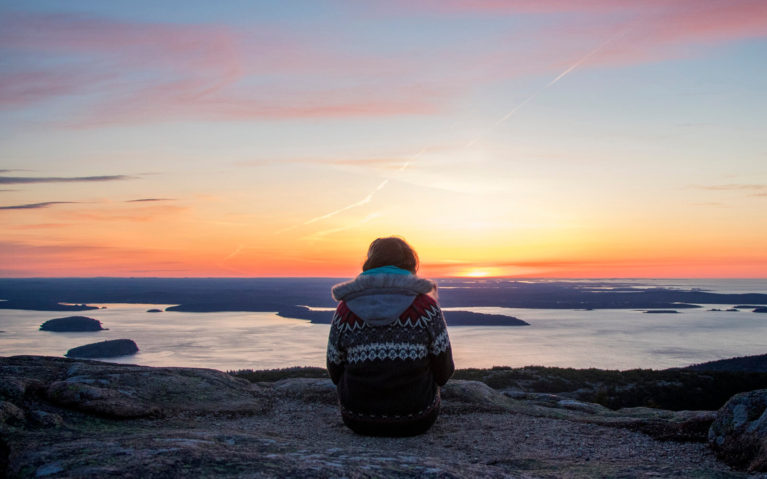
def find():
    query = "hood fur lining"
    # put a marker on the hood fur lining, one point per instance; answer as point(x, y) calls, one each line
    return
point(363, 284)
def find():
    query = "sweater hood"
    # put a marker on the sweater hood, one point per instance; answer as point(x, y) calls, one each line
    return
point(381, 298)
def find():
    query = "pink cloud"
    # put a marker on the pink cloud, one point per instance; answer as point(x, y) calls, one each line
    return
point(641, 30)
point(660, 21)
point(129, 72)
point(22, 88)
point(590, 7)
point(154, 72)
point(86, 55)
point(712, 21)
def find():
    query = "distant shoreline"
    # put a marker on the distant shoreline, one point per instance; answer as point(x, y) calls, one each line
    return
point(204, 295)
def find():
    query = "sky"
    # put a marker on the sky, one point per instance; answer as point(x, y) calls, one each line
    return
point(519, 138)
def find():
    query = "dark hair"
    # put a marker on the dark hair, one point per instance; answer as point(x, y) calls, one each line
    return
point(391, 251)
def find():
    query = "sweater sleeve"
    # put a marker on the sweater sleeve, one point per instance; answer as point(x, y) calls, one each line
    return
point(440, 351)
point(336, 355)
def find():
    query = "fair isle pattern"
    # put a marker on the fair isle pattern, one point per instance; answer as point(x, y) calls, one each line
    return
point(422, 321)
point(383, 351)
point(440, 343)
point(345, 320)
point(334, 355)
point(418, 332)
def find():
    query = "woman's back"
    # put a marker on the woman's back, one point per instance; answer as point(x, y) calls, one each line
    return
point(388, 351)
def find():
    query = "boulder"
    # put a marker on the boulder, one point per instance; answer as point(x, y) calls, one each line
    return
point(154, 310)
point(42, 418)
point(72, 324)
point(97, 400)
point(10, 414)
point(760, 310)
point(123, 391)
point(307, 389)
point(104, 349)
point(738, 434)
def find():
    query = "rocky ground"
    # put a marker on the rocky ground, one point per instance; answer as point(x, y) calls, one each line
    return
point(74, 418)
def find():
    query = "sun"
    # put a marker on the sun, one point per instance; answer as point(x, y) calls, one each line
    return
point(476, 273)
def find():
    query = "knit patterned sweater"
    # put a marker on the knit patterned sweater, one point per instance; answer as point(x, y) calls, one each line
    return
point(388, 349)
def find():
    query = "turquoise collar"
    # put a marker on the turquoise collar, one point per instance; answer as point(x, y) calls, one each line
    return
point(386, 270)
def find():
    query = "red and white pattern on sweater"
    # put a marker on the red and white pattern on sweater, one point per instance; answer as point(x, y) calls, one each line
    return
point(417, 332)
point(420, 314)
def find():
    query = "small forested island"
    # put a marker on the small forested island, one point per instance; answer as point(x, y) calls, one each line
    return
point(661, 311)
point(41, 304)
point(72, 324)
point(452, 318)
point(104, 349)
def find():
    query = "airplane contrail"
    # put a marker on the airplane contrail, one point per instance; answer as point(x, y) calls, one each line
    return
point(361, 202)
point(564, 73)
point(364, 220)
point(235, 252)
point(471, 143)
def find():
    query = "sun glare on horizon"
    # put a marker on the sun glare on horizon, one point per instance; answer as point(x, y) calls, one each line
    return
point(480, 272)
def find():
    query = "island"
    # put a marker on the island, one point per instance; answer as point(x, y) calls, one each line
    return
point(72, 324)
point(452, 318)
point(104, 349)
point(38, 304)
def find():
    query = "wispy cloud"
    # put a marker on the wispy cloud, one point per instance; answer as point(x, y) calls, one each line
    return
point(734, 187)
point(660, 29)
point(134, 214)
point(394, 162)
point(16, 180)
point(144, 71)
point(148, 200)
point(33, 206)
point(752, 189)
point(137, 72)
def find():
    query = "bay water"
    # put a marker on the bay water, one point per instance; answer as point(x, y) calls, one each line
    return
point(602, 338)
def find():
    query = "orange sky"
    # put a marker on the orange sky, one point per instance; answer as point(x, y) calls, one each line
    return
point(525, 139)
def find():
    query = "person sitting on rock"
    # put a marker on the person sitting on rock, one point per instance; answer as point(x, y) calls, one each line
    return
point(388, 349)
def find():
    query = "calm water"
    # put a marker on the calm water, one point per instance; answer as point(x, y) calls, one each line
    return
point(610, 339)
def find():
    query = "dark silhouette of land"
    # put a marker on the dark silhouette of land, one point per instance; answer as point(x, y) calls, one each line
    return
point(452, 318)
point(743, 363)
point(104, 349)
point(71, 324)
point(286, 295)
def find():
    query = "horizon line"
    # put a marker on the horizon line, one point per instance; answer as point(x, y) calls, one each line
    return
point(435, 277)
